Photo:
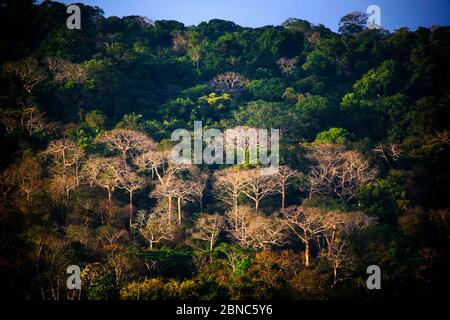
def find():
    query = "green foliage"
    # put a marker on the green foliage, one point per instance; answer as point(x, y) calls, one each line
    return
point(311, 115)
point(267, 89)
point(353, 23)
point(148, 289)
point(98, 282)
point(319, 64)
point(243, 265)
point(377, 82)
point(332, 136)
point(384, 199)
point(95, 120)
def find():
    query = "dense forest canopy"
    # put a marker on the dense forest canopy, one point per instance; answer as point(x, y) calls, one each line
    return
point(87, 179)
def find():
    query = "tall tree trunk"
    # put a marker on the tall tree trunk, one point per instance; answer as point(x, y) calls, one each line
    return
point(330, 244)
point(334, 275)
point(64, 160)
point(283, 196)
point(211, 242)
point(235, 201)
point(28, 200)
point(77, 176)
point(131, 208)
point(307, 254)
point(169, 199)
point(109, 201)
point(200, 201)
point(179, 210)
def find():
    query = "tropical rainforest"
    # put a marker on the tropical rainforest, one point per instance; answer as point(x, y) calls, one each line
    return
point(87, 180)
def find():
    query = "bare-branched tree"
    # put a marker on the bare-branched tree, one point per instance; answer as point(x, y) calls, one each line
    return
point(258, 186)
point(306, 223)
point(285, 177)
point(162, 166)
point(105, 173)
point(229, 184)
point(335, 223)
point(340, 258)
point(337, 171)
point(155, 226)
point(63, 70)
point(208, 228)
point(67, 157)
point(253, 230)
point(61, 186)
point(129, 143)
point(131, 182)
point(110, 237)
point(168, 175)
point(32, 120)
point(7, 181)
point(390, 153)
point(180, 41)
point(200, 180)
point(26, 176)
point(185, 190)
point(27, 71)
point(229, 82)
point(9, 120)
point(287, 65)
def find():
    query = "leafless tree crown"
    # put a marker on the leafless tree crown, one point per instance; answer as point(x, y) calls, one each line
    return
point(230, 82)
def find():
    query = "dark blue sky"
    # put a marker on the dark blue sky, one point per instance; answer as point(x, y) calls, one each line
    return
point(256, 13)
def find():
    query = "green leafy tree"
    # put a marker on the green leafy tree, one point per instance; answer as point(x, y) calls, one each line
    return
point(333, 136)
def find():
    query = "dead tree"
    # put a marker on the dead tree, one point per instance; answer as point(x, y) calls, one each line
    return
point(129, 143)
point(168, 175)
point(340, 258)
point(390, 153)
point(67, 157)
point(63, 70)
point(131, 182)
point(32, 120)
point(285, 177)
point(286, 65)
point(26, 176)
point(27, 71)
point(258, 186)
point(229, 82)
point(337, 171)
point(61, 186)
point(180, 41)
point(155, 226)
point(7, 181)
point(230, 184)
point(105, 173)
point(208, 228)
point(306, 223)
point(253, 230)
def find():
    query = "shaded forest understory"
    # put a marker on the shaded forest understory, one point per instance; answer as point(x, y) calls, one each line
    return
point(86, 176)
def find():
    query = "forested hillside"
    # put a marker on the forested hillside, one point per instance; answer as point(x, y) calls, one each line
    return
point(86, 176)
